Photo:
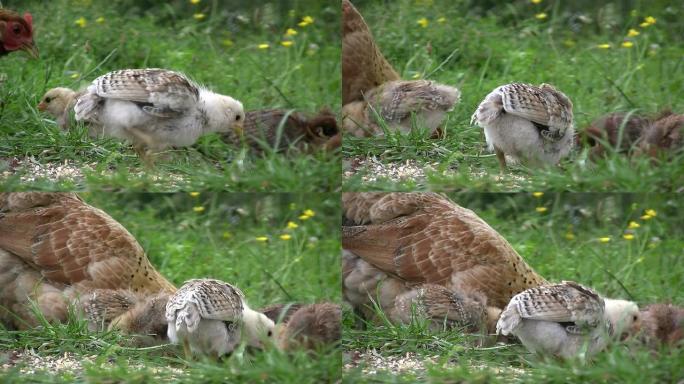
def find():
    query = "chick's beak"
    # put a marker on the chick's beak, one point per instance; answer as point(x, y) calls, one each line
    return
point(239, 128)
point(42, 106)
point(31, 49)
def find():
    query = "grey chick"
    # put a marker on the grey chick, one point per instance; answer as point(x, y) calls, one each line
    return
point(565, 320)
point(530, 124)
point(281, 129)
point(141, 315)
point(311, 327)
point(156, 108)
point(209, 317)
point(395, 103)
point(445, 308)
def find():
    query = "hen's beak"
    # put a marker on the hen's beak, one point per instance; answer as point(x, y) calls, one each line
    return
point(31, 49)
point(42, 106)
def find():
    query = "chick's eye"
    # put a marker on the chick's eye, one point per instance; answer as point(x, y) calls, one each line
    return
point(270, 333)
point(238, 117)
point(48, 99)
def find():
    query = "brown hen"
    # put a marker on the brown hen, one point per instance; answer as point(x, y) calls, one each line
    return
point(394, 243)
point(56, 247)
point(16, 33)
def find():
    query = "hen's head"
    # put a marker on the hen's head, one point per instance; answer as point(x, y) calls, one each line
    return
point(17, 33)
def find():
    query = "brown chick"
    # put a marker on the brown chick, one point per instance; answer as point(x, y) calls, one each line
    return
point(57, 246)
point(445, 308)
point(395, 241)
point(311, 327)
point(16, 33)
point(131, 313)
point(281, 129)
point(400, 104)
point(619, 130)
point(661, 324)
point(280, 313)
point(363, 65)
point(666, 134)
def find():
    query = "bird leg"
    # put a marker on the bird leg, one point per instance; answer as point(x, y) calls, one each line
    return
point(186, 349)
point(501, 157)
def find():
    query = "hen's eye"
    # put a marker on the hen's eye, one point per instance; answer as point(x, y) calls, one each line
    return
point(16, 29)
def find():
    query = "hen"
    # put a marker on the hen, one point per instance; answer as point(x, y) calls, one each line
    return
point(528, 123)
point(55, 247)
point(209, 316)
point(363, 65)
point(396, 104)
point(395, 242)
point(565, 319)
point(16, 33)
point(157, 108)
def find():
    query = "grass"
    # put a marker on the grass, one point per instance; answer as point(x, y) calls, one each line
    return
point(220, 51)
point(560, 243)
point(479, 46)
point(220, 241)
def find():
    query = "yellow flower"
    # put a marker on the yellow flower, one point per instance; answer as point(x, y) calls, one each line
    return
point(569, 43)
point(627, 44)
point(194, 194)
point(416, 75)
point(261, 238)
point(633, 13)
point(632, 32)
point(309, 212)
point(644, 25)
point(646, 217)
point(263, 46)
point(541, 209)
point(227, 42)
point(292, 225)
point(423, 22)
point(227, 235)
point(441, 20)
point(290, 32)
point(198, 209)
point(570, 236)
point(535, 1)
point(628, 236)
point(603, 46)
point(651, 212)
point(100, 20)
point(286, 43)
point(285, 236)
point(541, 16)
point(306, 20)
point(194, 1)
point(81, 22)
point(604, 239)
point(304, 217)
point(633, 225)
point(650, 20)
point(199, 16)
point(537, 194)
point(75, 75)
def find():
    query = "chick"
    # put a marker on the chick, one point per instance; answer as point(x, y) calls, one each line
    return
point(311, 327)
point(396, 104)
point(59, 102)
point(530, 124)
point(566, 319)
point(619, 131)
point(156, 109)
point(661, 324)
point(664, 135)
point(209, 316)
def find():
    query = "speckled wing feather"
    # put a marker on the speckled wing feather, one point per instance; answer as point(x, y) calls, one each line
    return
point(70, 242)
point(433, 240)
point(363, 65)
point(565, 302)
point(167, 91)
point(214, 299)
point(395, 101)
point(543, 105)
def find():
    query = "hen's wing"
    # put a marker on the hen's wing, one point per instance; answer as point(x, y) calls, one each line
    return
point(160, 92)
point(70, 242)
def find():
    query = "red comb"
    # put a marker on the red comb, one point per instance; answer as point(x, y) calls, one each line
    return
point(29, 19)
